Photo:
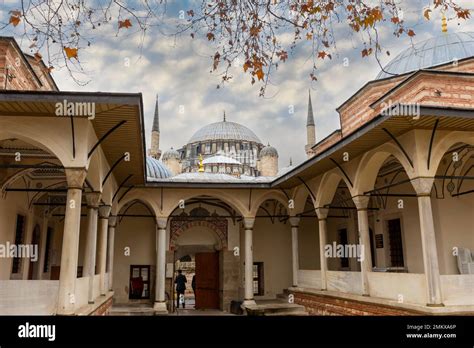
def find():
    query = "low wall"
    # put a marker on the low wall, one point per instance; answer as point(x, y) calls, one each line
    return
point(349, 282)
point(28, 297)
point(400, 287)
point(309, 279)
point(96, 287)
point(82, 291)
point(457, 289)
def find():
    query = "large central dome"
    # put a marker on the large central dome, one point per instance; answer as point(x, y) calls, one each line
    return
point(224, 130)
point(431, 52)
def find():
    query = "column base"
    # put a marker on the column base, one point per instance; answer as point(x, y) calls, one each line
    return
point(160, 308)
point(249, 303)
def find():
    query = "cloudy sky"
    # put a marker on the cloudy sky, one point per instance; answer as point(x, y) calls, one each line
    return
point(178, 70)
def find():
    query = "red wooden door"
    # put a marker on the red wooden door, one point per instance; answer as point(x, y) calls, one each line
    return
point(207, 280)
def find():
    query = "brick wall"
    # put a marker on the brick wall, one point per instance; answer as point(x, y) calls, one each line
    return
point(21, 72)
point(327, 142)
point(103, 308)
point(329, 305)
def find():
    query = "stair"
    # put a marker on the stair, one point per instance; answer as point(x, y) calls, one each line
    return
point(281, 306)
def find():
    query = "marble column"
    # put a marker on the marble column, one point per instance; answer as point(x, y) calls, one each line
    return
point(42, 246)
point(294, 222)
point(110, 258)
point(423, 188)
point(30, 226)
point(93, 200)
point(160, 299)
point(70, 248)
point(361, 203)
point(322, 214)
point(248, 295)
point(104, 212)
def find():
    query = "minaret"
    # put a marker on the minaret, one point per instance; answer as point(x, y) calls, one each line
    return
point(155, 151)
point(310, 128)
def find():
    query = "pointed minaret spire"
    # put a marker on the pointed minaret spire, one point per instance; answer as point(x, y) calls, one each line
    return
point(155, 151)
point(310, 128)
point(291, 161)
point(156, 118)
point(224, 116)
point(310, 117)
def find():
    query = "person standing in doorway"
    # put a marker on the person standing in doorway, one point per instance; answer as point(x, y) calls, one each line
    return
point(193, 285)
point(180, 282)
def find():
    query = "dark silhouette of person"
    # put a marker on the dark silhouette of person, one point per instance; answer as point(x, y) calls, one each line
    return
point(193, 285)
point(180, 282)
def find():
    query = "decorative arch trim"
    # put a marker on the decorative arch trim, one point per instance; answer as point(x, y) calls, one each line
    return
point(218, 225)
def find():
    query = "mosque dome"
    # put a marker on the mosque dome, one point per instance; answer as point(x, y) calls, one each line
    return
point(155, 169)
point(269, 151)
point(432, 52)
point(171, 154)
point(224, 130)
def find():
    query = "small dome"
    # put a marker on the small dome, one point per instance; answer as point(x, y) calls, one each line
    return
point(269, 151)
point(155, 169)
point(224, 130)
point(171, 154)
point(220, 159)
point(432, 52)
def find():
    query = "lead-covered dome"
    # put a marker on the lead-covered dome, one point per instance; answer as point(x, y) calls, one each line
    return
point(269, 151)
point(155, 169)
point(171, 154)
point(224, 130)
point(439, 50)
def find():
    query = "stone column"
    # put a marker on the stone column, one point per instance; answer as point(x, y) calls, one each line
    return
point(104, 212)
point(322, 218)
point(29, 231)
point(110, 259)
point(294, 221)
point(160, 299)
point(361, 203)
point(93, 200)
point(248, 297)
point(42, 246)
point(423, 188)
point(70, 248)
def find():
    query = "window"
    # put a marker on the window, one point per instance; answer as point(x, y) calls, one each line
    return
point(139, 282)
point(19, 236)
point(343, 241)
point(47, 252)
point(258, 279)
point(395, 240)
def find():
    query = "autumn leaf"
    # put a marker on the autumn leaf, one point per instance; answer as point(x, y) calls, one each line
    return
point(14, 19)
point(366, 52)
point(395, 20)
point(70, 52)
point(426, 14)
point(260, 74)
point(309, 36)
point(463, 14)
point(411, 33)
point(210, 36)
point(125, 24)
point(322, 54)
point(247, 65)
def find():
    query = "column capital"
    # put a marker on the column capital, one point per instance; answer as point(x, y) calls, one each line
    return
point(322, 213)
point(294, 221)
point(104, 211)
point(93, 199)
point(75, 177)
point(423, 185)
point(161, 222)
point(112, 221)
point(248, 222)
point(361, 202)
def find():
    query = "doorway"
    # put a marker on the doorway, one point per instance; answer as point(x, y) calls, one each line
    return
point(207, 280)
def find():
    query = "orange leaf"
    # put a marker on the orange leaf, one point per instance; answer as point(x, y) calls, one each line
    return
point(426, 14)
point(71, 52)
point(125, 24)
point(260, 74)
point(411, 33)
point(322, 54)
point(210, 36)
point(14, 20)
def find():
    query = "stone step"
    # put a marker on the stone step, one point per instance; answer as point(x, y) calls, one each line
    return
point(277, 308)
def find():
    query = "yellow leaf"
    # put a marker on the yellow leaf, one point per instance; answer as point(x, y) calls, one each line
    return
point(427, 14)
point(71, 52)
